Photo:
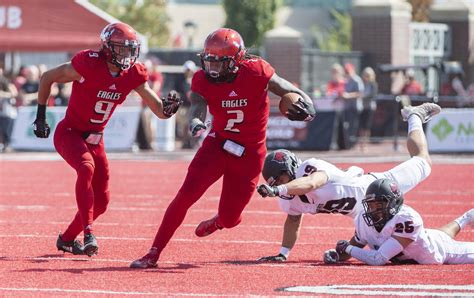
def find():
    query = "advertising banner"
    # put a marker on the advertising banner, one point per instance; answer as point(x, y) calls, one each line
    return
point(119, 133)
point(451, 131)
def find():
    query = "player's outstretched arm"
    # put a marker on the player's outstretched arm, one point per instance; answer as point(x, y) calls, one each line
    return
point(61, 74)
point(291, 232)
point(164, 108)
point(389, 249)
point(304, 109)
point(299, 186)
point(197, 115)
point(333, 256)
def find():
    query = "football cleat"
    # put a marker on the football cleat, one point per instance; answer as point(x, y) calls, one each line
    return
point(468, 218)
point(147, 261)
point(74, 247)
point(90, 245)
point(425, 111)
point(207, 227)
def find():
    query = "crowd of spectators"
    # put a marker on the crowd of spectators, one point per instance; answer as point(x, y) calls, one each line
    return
point(22, 90)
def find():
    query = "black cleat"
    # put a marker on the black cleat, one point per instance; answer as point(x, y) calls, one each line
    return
point(90, 245)
point(74, 247)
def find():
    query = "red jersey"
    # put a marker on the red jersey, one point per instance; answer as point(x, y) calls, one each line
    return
point(96, 95)
point(239, 108)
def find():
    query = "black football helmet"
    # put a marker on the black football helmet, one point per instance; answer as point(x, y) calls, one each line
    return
point(278, 162)
point(383, 200)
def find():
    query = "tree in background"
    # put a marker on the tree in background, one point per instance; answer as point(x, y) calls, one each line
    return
point(337, 37)
point(146, 16)
point(251, 18)
point(420, 10)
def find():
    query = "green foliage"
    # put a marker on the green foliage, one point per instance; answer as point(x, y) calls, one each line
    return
point(420, 10)
point(147, 17)
point(336, 38)
point(251, 18)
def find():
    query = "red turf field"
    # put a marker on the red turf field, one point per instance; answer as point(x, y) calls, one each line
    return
point(37, 202)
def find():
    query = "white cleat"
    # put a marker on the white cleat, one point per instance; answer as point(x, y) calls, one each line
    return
point(425, 111)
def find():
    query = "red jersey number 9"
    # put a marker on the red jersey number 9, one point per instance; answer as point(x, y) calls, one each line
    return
point(103, 108)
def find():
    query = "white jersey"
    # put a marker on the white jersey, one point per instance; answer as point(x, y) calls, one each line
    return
point(342, 197)
point(346, 197)
point(427, 246)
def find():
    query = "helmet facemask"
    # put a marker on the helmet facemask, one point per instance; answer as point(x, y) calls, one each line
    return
point(124, 54)
point(379, 210)
point(218, 68)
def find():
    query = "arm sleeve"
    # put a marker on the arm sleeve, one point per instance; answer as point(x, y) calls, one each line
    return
point(390, 248)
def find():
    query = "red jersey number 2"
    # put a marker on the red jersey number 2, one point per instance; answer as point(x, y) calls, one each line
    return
point(231, 122)
point(103, 108)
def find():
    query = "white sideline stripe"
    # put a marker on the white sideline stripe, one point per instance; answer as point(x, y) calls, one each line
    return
point(149, 209)
point(80, 291)
point(173, 239)
point(155, 225)
point(463, 290)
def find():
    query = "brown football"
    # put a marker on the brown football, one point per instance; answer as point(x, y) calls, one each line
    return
point(287, 100)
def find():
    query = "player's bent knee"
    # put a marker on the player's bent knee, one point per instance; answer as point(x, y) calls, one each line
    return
point(425, 166)
point(86, 169)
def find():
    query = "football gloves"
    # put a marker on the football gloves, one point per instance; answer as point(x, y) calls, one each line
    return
point(301, 111)
point(341, 246)
point(197, 128)
point(41, 128)
point(331, 256)
point(171, 103)
point(267, 191)
point(277, 258)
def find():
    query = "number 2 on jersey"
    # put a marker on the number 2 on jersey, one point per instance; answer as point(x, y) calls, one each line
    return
point(231, 122)
point(103, 108)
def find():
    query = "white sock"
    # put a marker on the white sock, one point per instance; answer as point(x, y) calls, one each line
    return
point(465, 219)
point(414, 123)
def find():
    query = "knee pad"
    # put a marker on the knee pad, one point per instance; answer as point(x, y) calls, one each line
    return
point(86, 169)
point(424, 167)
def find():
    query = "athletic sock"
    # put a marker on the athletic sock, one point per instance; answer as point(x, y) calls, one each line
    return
point(465, 219)
point(414, 123)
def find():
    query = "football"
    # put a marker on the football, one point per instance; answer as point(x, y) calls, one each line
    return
point(287, 100)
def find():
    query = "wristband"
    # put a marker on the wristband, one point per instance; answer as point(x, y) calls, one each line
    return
point(285, 251)
point(41, 112)
point(349, 249)
point(282, 190)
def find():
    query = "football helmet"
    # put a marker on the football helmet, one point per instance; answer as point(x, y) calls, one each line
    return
point(383, 200)
point(223, 52)
point(120, 45)
point(278, 162)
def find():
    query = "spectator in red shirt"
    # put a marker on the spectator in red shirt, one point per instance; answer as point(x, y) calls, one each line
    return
point(412, 86)
point(336, 86)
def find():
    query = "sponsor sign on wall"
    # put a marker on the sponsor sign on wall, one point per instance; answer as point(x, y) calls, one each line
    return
point(451, 131)
point(119, 133)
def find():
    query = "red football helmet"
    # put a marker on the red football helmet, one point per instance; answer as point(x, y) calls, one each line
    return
point(223, 52)
point(120, 45)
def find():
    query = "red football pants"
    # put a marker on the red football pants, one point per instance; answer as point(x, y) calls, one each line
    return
point(241, 175)
point(92, 183)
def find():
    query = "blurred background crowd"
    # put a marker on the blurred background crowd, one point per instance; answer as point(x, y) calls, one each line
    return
point(359, 60)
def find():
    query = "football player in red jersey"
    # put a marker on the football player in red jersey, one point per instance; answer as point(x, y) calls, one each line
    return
point(101, 81)
point(234, 86)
